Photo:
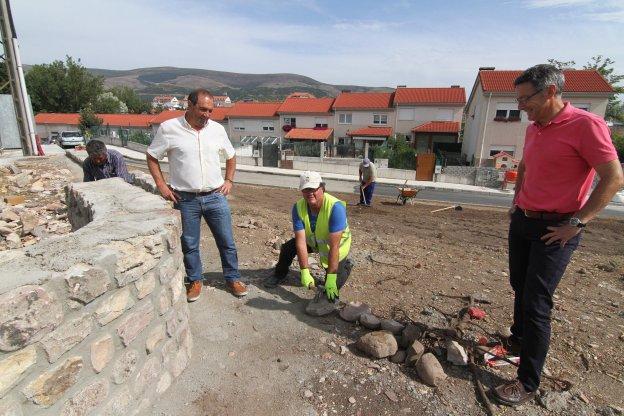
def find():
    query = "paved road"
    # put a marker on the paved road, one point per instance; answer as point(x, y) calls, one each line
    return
point(450, 197)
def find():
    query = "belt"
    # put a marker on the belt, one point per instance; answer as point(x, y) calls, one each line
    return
point(548, 216)
point(196, 194)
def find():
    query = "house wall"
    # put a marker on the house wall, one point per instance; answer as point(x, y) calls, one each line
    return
point(253, 127)
point(425, 114)
point(482, 133)
point(306, 121)
point(360, 119)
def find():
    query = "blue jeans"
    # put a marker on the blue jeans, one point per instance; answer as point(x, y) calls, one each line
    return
point(368, 194)
point(535, 271)
point(216, 211)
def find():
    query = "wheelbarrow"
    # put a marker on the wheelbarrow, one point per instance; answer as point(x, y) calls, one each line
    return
point(406, 195)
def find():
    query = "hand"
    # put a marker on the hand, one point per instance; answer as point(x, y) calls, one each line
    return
point(306, 279)
point(511, 211)
point(562, 234)
point(331, 290)
point(226, 187)
point(168, 193)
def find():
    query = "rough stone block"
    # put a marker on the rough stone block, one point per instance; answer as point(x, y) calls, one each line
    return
point(176, 321)
point(169, 350)
point(154, 336)
point(164, 301)
point(86, 283)
point(102, 351)
point(185, 339)
point(29, 221)
point(167, 270)
point(114, 306)
point(379, 344)
point(133, 261)
point(83, 402)
point(119, 404)
point(15, 199)
point(124, 366)
point(10, 408)
point(172, 239)
point(177, 286)
point(27, 313)
point(46, 389)
point(148, 375)
point(430, 371)
point(414, 352)
point(179, 363)
point(145, 285)
point(66, 336)
point(135, 322)
point(163, 383)
point(14, 367)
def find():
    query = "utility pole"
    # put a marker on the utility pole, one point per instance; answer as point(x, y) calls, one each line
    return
point(11, 58)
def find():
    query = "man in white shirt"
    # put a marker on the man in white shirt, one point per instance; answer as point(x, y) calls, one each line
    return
point(192, 144)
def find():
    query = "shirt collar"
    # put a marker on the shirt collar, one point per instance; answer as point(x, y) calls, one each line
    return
point(563, 115)
point(186, 124)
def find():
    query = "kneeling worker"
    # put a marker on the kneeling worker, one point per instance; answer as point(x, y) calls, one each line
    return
point(320, 225)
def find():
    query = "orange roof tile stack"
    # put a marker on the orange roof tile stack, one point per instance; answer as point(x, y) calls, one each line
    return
point(363, 101)
point(575, 81)
point(428, 96)
point(438, 127)
point(309, 134)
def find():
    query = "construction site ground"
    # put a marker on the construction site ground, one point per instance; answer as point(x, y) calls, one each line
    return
point(262, 355)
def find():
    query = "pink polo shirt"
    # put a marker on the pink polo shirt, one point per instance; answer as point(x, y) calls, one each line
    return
point(559, 160)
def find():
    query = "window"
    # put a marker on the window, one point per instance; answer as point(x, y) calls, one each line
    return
point(345, 118)
point(238, 126)
point(268, 126)
point(406, 113)
point(320, 122)
point(380, 119)
point(291, 121)
point(507, 112)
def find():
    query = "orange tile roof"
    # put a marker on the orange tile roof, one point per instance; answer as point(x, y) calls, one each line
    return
point(372, 131)
point(363, 100)
point(242, 109)
point(298, 105)
point(72, 119)
point(309, 134)
point(419, 96)
point(438, 127)
point(166, 115)
point(575, 81)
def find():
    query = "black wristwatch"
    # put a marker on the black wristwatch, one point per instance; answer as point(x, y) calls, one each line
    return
point(575, 222)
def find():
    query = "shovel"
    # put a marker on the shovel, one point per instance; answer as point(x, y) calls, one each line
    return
point(456, 207)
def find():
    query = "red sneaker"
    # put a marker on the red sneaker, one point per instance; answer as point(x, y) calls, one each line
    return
point(193, 291)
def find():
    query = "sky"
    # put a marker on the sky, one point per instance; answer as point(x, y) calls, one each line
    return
point(373, 43)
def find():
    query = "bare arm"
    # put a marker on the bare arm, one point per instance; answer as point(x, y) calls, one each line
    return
point(230, 168)
point(159, 179)
point(517, 188)
point(334, 251)
point(611, 181)
point(302, 249)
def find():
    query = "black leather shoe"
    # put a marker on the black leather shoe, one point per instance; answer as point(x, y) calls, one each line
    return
point(272, 282)
point(513, 393)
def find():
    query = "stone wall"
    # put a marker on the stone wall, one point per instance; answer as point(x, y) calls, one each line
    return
point(95, 321)
point(471, 175)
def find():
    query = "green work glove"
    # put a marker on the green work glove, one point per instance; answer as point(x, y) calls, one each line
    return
point(331, 290)
point(306, 279)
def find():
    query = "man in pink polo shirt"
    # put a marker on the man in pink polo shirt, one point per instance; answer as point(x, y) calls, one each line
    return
point(564, 147)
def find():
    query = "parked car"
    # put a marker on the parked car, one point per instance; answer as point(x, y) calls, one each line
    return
point(71, 138)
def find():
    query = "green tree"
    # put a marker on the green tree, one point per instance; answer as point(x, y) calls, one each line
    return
point(108, 103)
point(135, 104)
point(615, 108)
point(618, 142)
point(88, 121)
point(562, 64)
point(62, 87)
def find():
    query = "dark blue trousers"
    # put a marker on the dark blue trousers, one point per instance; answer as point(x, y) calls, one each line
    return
point(535, 270)
point(368, 194)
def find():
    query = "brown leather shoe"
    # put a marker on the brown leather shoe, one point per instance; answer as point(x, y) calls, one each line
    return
point(237, 287)
point(193, 291)
point(513, 393)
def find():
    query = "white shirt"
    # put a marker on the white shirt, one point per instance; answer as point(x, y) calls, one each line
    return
point(194, 164)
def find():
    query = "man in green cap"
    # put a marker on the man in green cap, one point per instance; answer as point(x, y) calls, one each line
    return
point(320, 225)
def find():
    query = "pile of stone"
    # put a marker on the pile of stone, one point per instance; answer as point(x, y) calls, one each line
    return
point(32, 206)
point(401, 344)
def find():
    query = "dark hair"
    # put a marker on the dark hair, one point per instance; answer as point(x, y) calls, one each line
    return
point(96, 147)
point(200, 92)
point(541, 76)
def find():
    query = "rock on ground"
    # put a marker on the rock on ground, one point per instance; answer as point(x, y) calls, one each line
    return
point(354, 310)
point(379, 344)
point(430, 371)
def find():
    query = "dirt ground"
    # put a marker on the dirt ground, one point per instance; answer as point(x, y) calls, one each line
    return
point(409, 265)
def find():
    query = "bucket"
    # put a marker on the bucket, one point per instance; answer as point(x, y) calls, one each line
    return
point(511, 176)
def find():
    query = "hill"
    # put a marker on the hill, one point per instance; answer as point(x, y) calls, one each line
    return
point(149, 82)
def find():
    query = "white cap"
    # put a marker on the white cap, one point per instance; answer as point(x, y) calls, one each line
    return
point(310, 179)
point(366, 162)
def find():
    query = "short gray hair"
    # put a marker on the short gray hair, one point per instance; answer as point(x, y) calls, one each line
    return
point(541, 76)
